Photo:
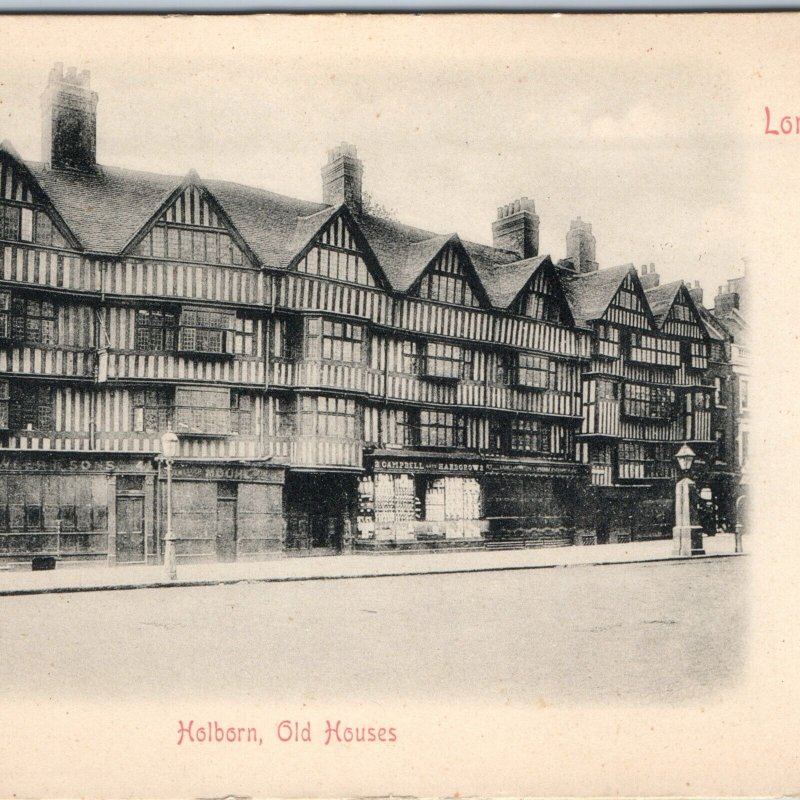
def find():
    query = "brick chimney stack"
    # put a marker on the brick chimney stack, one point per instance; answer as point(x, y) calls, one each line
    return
point(517, 228)
point(581, 246)
point(341, 178)
point(696, 292)
point(648, 277)
point(727, 298)
point(69, 120)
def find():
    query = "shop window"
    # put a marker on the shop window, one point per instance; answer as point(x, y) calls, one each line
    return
point(153, 410)
point(648, 402)
point(203, 331)
point(452, 498)
point(155, 330)
point(33, 321)
point(31, 406)
point(203, 411)
point(342, 341)
point(448, 362)
point(442, 429)
point(241, 413)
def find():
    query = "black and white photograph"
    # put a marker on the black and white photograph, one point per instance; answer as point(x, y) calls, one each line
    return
point(379, 411)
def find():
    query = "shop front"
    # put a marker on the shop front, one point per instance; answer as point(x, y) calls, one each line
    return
point(77, 507)
point(223, 510)
point(464, 501)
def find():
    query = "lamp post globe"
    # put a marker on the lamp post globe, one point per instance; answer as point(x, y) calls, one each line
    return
point(685, 457)
point(169, 444)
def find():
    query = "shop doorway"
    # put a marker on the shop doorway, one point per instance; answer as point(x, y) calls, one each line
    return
point(226, 522)
point(319, 512)
point(130, 530)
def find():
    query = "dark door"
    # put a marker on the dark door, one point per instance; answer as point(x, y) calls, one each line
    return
point(226, 530)
point(130, 530)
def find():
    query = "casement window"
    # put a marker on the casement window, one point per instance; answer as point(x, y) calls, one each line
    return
point(540, 305)
point(702, 401)
point(606, 390)
point(449, 362)
point(244, 340)
point(190, 244)
point(342, 341)
point(721, 445)
point(5, 315)
point(410, 357)
point(648, 402)
point(30, 406)
point(681, 313)
point(442, 429)
point(529, 436)
point(720, 395)
point(445, 282)
point(337, 265)
point(285, 417)
point(203, 331)
point(645, 460)
point(153, 410)
point(242, 413)
point(4, 398)
point(33, 321)
point(698, 355)
point(203, 411)
point(627, 299)
point(330, 416)
point(717, 351)
point(407, 420)
point(10, 222)
point(650, 349)
point(287, 339)
point(46, 233)
point(155, 330)
point(526, 370)
point(744, 399)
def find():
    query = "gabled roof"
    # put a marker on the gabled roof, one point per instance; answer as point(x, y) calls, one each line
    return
point(714, 328)
point(504, 281)
point(661, 299)
point(107, 208)
point(267, 221)
point(590, 294)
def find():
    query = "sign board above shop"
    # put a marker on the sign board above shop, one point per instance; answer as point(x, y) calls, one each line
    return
point(476, 466)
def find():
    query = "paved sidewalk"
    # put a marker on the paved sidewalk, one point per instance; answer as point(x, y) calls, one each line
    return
point(92, 577)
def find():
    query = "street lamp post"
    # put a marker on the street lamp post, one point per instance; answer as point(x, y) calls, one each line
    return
point(687, 535)
point(169, 449)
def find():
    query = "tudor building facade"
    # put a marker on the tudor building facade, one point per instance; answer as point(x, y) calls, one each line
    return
point(337, 381)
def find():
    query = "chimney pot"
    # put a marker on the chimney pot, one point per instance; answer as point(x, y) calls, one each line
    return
point(517, 228)
point(69, 120)
point(581, 245)
point(342, 178)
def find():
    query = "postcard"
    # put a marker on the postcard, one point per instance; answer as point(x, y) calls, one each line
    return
point(399, 405)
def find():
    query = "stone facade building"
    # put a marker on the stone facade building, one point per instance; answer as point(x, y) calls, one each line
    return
point(337, 380)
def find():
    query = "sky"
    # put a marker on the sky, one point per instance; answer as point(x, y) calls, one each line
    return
point(635, 125)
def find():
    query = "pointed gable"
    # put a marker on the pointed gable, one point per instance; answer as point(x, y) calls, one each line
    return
point(542, 297)
point(26, 213)
point(331, 246)
point(590, 295)
point(191, 226)
point(450, 278)
point(675, 311)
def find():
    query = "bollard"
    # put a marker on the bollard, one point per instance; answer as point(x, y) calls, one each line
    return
point(738, 538)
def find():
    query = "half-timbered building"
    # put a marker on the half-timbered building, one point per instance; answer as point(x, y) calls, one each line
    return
point(337, 380)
